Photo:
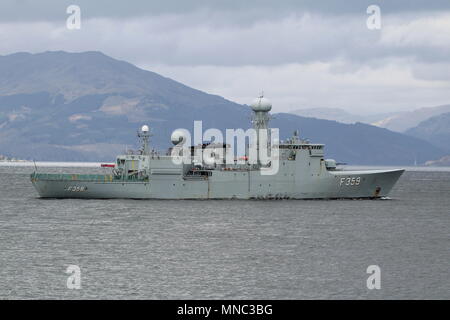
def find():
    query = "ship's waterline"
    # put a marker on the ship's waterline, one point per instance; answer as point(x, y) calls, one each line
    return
point(294, 169)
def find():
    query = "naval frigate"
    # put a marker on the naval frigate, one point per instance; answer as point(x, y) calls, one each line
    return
point(302, 173)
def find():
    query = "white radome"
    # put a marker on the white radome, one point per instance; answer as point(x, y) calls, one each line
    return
point(177, 136)
point(145, 128)
point(261, 104)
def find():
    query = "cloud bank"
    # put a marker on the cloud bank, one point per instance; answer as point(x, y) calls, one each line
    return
point(301, 57)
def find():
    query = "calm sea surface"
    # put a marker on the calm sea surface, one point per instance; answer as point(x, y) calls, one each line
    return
point(149, 249)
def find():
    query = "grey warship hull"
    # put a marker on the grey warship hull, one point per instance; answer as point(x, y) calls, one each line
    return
point(370, 184)
point(268, 169)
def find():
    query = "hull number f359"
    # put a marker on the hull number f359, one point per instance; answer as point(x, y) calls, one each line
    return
point(76, 188)
point(355, 181)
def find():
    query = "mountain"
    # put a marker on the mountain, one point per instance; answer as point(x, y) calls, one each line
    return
point(338, 114)
point(394, 121)
point(403, 121)
point(87, 107)
point(359, 143)
point(442, 162)
point(435, 130)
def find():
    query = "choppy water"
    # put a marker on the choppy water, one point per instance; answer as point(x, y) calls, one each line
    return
point(226, 249)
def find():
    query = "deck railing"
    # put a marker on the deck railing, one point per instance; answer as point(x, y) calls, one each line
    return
point(84, 177)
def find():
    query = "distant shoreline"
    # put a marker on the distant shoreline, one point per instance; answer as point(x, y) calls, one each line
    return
point(407, 168)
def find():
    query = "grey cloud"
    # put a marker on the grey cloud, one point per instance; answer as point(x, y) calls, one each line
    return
point(201, 38)
point(50, 10)
point(205, 38)
point(432, 71)
point(367, 90)
point(304, 53)
point(228, 32)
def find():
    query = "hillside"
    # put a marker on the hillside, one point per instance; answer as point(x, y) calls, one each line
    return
point(442, 162)
point(340, 115)
point(435, 130)
point(404, 121)
point(87, 107)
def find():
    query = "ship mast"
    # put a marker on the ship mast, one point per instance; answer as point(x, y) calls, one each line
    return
point(261, 107)
point(144, 135)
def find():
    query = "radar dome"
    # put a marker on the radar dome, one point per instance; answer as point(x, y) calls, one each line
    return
point(177, 136)
point(261, 104)
point(144, 128)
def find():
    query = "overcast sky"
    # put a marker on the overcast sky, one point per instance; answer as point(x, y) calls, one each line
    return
point(301, 53)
